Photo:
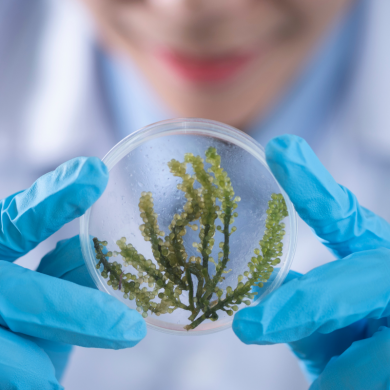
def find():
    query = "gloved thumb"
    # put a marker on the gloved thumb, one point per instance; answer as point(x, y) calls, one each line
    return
point(330, 209)
point(31, 216)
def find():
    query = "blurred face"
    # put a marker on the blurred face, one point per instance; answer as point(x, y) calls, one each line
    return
point(227, 60)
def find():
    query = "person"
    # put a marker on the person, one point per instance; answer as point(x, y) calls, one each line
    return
point(316, 69)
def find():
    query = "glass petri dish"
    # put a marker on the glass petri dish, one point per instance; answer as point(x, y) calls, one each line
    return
point(138, 167)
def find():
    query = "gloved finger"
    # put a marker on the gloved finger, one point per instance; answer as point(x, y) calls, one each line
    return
point(30, 216)
point(66, 262)
point(318, 349)
point(315, 351)
point(331, 210)
point(53, 309)
point(23, 365)
point(365, 365)
point(327, 298)
point(58, 353)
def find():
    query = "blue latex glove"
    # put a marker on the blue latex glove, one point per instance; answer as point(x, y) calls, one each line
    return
point(335, 318)
point(41, 316)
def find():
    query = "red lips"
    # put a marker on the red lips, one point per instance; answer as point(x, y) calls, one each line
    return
point(204, 69)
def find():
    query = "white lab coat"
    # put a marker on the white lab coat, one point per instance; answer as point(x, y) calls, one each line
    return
point(51, 110)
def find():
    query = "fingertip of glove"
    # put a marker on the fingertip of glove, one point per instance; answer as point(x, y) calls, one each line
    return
point(109, 323)
point(120, 326)
point(284, 147)
point(127, 331)
point(94, 172)
point(90, 179)
point(136, 329)
point(246, 328)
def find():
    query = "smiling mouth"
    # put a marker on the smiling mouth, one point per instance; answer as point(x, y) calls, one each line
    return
point(204, 70)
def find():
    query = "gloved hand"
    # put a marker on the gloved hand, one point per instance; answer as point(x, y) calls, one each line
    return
point(335, 318)
point(42, 316)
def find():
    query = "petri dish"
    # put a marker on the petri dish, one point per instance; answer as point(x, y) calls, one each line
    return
point(159, 258)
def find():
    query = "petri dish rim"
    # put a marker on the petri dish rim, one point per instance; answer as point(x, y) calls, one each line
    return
point(188, 126)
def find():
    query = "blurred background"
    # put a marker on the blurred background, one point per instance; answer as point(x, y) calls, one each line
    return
point(78, 76)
